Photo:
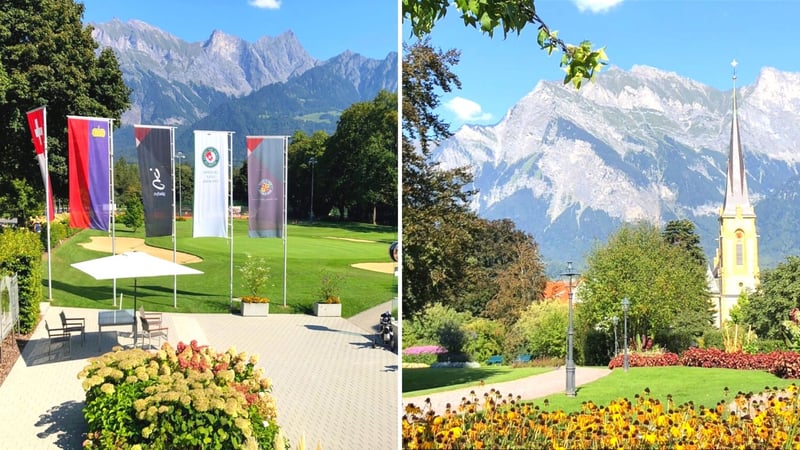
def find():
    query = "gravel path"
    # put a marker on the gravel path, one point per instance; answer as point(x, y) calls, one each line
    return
point(528, 388)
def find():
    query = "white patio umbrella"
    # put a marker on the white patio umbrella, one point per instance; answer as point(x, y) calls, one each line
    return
point(132, 265)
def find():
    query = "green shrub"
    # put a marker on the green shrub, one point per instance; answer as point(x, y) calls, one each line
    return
point(712, 338)
point(452, 337)
point(425, 326)
point(541, 331)
point(21, 253)
point(190, 398)
point(485, 338)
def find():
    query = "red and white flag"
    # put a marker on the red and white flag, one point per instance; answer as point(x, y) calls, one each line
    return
point(37, 121)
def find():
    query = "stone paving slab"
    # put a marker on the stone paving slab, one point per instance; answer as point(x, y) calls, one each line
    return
point(331, 386)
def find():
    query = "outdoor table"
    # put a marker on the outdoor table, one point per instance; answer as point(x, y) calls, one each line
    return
point(116, 318)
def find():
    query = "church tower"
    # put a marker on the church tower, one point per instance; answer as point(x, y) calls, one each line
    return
point(736, 260)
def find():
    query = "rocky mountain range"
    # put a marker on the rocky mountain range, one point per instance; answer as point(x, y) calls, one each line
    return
point(570, 166)
point(271, 86)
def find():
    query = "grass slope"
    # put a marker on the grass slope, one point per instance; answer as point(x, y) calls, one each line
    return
point(701, 386)
point(426, 381)
point(310, 250)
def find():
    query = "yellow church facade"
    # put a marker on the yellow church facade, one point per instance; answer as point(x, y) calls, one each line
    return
point(736, 260)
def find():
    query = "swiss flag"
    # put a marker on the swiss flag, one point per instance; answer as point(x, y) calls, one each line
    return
point(37, 124)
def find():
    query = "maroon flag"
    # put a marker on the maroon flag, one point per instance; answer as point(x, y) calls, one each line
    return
point(265, 190)
point(37, 122)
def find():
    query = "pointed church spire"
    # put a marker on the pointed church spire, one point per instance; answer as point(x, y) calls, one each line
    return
point(736, 185)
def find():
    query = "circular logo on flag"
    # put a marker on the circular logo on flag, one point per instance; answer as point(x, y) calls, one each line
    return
point(265, 187)
point(210, 157)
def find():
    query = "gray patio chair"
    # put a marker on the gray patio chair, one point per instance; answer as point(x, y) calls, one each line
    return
point(56, 335)
point(151, 330)
point(74, 324)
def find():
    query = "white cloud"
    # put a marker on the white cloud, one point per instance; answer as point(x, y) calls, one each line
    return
point(596, 6)
point(467, 110)
point(266, 4)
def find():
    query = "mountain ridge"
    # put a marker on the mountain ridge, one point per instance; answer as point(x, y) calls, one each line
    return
point(571, 166)
point(221, 82)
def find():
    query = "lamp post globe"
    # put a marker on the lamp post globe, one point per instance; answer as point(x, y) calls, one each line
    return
point(570, 364)
point(626, 304)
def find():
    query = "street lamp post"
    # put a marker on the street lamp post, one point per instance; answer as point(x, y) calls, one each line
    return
point(311, 162)
point(615, 321)
point(180, 156)
point(626, 304)
point(570, 335)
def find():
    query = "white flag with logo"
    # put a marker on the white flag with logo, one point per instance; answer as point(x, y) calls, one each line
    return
point(211, 183)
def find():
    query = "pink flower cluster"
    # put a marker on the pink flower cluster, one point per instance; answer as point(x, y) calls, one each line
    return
point(424, 350)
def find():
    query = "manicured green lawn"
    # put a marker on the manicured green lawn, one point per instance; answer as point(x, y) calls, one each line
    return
point(702, 386)
point(425, 381)
point(310, 250)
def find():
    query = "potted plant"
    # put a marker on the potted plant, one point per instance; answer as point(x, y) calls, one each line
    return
point(330, 304)
point(255, 274)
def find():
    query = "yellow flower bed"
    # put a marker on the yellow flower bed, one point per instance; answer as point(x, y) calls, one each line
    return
point(769, 420)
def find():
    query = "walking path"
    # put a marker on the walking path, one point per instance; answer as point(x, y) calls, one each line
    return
point(528, 388)
point(331, 386)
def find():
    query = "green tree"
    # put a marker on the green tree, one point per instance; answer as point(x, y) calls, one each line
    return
point(666, 288)
point(681, 233)
point(580, 61)
point(777, 294)
point(305, 152)
point(134, 212)
point(47, 57)
point(436, 215)
point(359, 166)
point(126, 181)
point(541, 331)
point(240, 184)
point(519, 285)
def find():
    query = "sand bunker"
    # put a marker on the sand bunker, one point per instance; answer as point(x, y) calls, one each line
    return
point(103, 244)
point(349, 239)
point(376, 267)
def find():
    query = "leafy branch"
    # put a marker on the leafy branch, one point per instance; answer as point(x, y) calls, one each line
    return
point(579, 61)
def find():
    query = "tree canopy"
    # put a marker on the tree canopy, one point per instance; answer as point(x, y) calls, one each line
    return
point(450, 255)
point(681, 233)
point(775, 297)
point(47, 57)
point(360, 159)
point(579, 61)
point(666, 288)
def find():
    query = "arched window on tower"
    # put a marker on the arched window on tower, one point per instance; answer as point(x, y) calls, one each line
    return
point(739, 247)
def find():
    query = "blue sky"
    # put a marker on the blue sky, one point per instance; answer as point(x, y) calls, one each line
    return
point(324, 28)
point(696, 39)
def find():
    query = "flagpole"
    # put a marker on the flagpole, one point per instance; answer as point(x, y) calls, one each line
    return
point(47, 209)
point(230, 209)
point(285, 228)
point(111, 197)
point(174, 226)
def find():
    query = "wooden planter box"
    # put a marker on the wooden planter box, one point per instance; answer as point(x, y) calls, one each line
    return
point(328, 309)
point(255, 309)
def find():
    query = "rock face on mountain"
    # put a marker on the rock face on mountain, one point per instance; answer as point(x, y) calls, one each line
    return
point(185, 84)
point(570, 166)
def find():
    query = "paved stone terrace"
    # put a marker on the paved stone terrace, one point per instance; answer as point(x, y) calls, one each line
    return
point(330, 384)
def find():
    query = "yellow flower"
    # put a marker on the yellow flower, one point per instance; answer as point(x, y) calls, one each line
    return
point(456, 432)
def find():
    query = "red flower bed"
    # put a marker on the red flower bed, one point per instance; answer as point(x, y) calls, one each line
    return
point(786, 365)
point(649, 360)
point(713, 357)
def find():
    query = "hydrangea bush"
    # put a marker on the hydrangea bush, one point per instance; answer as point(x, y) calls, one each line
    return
point(189, 397)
